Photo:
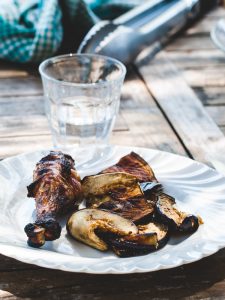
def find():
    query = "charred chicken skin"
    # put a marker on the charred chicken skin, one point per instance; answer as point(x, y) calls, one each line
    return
point(56, 188)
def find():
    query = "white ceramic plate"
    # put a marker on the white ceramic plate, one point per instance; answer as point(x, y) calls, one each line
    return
point(197, 188)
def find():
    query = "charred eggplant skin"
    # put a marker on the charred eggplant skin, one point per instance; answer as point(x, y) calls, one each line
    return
point(165, 212)
point(129, 249)
point(162, 242)
point(190, 224)
point(163, 216)
point(145, 242)
point(160, 216)
point(150, 189)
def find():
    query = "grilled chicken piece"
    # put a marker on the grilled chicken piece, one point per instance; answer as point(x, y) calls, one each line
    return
point(135, 165)
point(119, 193)
point(57, 190)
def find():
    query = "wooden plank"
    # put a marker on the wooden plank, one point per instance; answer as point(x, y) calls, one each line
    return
point(181, 106)
point(222, 128)
point(204, 26)
point(147, 125)
point(8, 264)
point(217, 113)
point(211, 95)
point(199, 280)
point(196, 59)
point(27, 106)
point(190, 43)
point(139, 123)
point(218, 12)
point(18, 126)
point(20, 86)
point(13, 73)
point(29, 133)
point(22, 105)
point(205, 77)
point(14, 145)
point(13, 70)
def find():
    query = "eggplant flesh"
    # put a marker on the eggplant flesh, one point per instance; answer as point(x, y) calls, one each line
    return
point(176, 219)
point(97, 188)
point(150, 237)
point(161, 230)
point(126, 248)
point(86, 225)
point(136, 209)
point(119, 193)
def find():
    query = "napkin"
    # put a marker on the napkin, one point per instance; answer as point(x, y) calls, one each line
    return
point(33, 30)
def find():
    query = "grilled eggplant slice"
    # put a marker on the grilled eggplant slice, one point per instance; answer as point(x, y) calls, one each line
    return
point(151, 190)
point(150, 237)
point(124, 247)
point(87, 225)
point(176, 220)
point(119, 193)
point(98, 189)
point(161, 230)
point(135, 165)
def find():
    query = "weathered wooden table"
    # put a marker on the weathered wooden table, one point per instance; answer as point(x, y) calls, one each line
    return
point(160, 109)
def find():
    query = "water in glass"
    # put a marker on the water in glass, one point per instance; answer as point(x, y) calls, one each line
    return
point(81, 120)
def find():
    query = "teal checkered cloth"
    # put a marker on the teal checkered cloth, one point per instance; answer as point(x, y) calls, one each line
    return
point(32, 30)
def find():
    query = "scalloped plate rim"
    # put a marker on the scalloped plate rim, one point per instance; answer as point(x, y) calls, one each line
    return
point(111, 270)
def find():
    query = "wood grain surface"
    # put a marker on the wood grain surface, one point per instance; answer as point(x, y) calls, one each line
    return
point(185, 112)
point(201, 280)
point(169, 104)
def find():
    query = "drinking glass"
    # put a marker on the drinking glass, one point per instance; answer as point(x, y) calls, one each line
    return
point(82, 97)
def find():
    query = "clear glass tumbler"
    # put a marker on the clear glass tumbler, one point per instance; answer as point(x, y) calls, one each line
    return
point(82, 93)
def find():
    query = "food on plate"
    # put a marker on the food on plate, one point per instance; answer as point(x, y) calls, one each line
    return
point(87, 225)
point(56, 188)
point(151, 190)
point(103, 230)
point(176, 219)
point(150, 237)
point(117, 192)
point(126, 211)
point(135, 165)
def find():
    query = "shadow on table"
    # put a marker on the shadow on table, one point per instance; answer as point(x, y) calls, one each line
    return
point(197, 279)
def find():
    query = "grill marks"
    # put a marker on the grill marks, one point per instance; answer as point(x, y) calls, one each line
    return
point(135, 165)
point(131, 190)
point(57, 190)
point(117, 188)
point(122, 197)
point(119, 193)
